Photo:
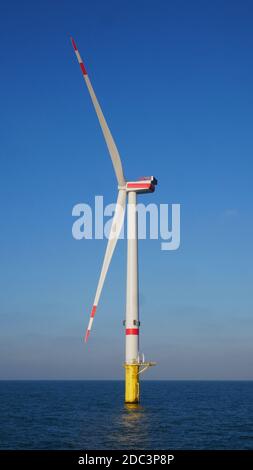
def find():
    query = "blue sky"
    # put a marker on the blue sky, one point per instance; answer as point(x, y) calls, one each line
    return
point(175, 82)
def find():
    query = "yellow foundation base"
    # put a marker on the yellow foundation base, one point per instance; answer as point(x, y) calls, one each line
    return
point(132, 386)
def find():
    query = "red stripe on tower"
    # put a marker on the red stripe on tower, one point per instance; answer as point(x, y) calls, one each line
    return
point(132, 331)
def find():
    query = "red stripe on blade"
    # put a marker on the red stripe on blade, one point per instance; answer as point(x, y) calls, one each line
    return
point(73, 44)
point(93, 311)
point(132, 331)
point(87, 335)
point(83, 68)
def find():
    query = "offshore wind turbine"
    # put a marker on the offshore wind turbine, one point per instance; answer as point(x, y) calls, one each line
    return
point(127, 190)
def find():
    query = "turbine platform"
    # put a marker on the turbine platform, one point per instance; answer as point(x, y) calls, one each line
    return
point(145, 365)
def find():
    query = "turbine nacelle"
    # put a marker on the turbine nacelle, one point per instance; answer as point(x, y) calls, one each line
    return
point(145, 184)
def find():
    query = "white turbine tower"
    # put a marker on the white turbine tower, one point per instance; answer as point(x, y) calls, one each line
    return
point(126, 189)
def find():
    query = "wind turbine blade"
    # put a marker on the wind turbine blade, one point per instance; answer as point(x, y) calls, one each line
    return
point(116, 227)
point(113, 151)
